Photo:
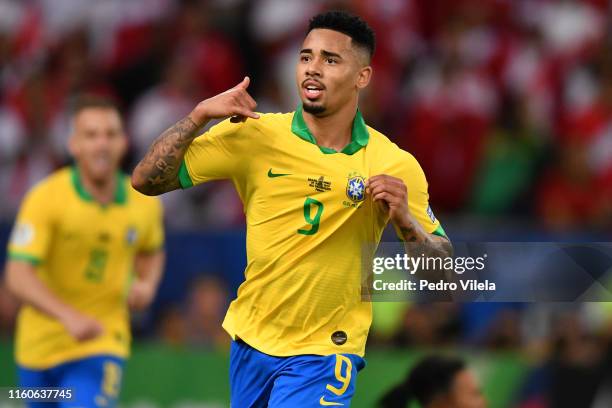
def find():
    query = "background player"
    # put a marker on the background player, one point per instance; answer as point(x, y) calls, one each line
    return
point(84, 246)
point(298, 322)
point(437, 382)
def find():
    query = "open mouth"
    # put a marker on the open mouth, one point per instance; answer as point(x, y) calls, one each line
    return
point(101, 160)
point(312, 89)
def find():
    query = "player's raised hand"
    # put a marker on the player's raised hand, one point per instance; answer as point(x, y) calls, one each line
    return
point(82, 327)
point(392, 195)
point(235, 102)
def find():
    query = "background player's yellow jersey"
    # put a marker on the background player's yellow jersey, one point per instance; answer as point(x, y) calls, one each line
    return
point(84, 252)
point(307, 219)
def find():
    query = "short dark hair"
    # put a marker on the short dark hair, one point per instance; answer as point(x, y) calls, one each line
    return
point(431, 377)
point(88, 101)
point(346, 23)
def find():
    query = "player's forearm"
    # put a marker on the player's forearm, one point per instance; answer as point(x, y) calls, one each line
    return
point(420, 243)
point(157, 172)
point(430, 245)
point(22, 281)
point(149, 268)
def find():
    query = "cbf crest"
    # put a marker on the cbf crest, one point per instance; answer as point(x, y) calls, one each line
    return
point(355, 188)
point(131, 236)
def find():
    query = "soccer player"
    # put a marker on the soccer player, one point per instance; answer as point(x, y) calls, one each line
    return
point(316, 184)
point(85, 245)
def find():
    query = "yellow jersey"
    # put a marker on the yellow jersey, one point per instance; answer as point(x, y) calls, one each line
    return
point(84, 253)
point(308, 218)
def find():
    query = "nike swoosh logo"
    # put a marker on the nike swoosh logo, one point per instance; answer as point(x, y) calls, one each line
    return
point(272, 175)
point(328, 403)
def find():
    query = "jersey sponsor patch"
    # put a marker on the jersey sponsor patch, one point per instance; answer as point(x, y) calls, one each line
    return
point(22, 235)
point(319, 184)
point(431, 215)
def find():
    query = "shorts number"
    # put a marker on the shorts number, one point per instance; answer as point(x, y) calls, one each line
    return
point(95, 268)
point(314, 221)
point(112, 379)
point(345, 379)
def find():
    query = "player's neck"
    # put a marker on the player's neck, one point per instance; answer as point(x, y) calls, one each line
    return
point(332, 131)
point(102, 191)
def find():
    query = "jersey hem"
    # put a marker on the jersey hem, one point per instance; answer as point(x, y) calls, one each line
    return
point(306, 350)
point(66, 358)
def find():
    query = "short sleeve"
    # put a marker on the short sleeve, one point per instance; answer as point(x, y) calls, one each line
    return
point(33, 227)
point(153, 239)
point(418, 196)
point(220, 153)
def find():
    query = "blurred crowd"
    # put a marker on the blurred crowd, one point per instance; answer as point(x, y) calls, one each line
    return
point(507, 104)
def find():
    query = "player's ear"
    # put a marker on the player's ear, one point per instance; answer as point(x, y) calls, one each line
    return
point(363, 76)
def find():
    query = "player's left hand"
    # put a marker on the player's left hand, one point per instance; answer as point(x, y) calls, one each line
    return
point(392, 195)
point(141, 295)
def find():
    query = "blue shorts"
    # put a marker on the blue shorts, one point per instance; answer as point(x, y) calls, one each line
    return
point(261, 380)
point(95, 381)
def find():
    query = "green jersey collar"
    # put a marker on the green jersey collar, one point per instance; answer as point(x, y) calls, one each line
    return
point(359, 133)
point(120, 189)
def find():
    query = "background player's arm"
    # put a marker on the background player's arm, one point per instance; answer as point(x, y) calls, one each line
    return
point(22, 281)
point(149, 259)
point(158, 171)
point(148, 268)
point(28, 246)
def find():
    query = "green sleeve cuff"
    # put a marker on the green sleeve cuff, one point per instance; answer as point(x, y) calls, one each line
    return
point(19, 256)
point(184, 179)
point(152, 250)
point(440, 232)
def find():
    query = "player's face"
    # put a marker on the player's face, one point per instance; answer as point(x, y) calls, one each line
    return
point(330, 71)
point(466, 392)
point(98, 142)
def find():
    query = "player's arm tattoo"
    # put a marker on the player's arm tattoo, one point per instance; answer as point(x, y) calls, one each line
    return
point(434, 245)
point(417, 242)
point(157, 172)
point(431, 245)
